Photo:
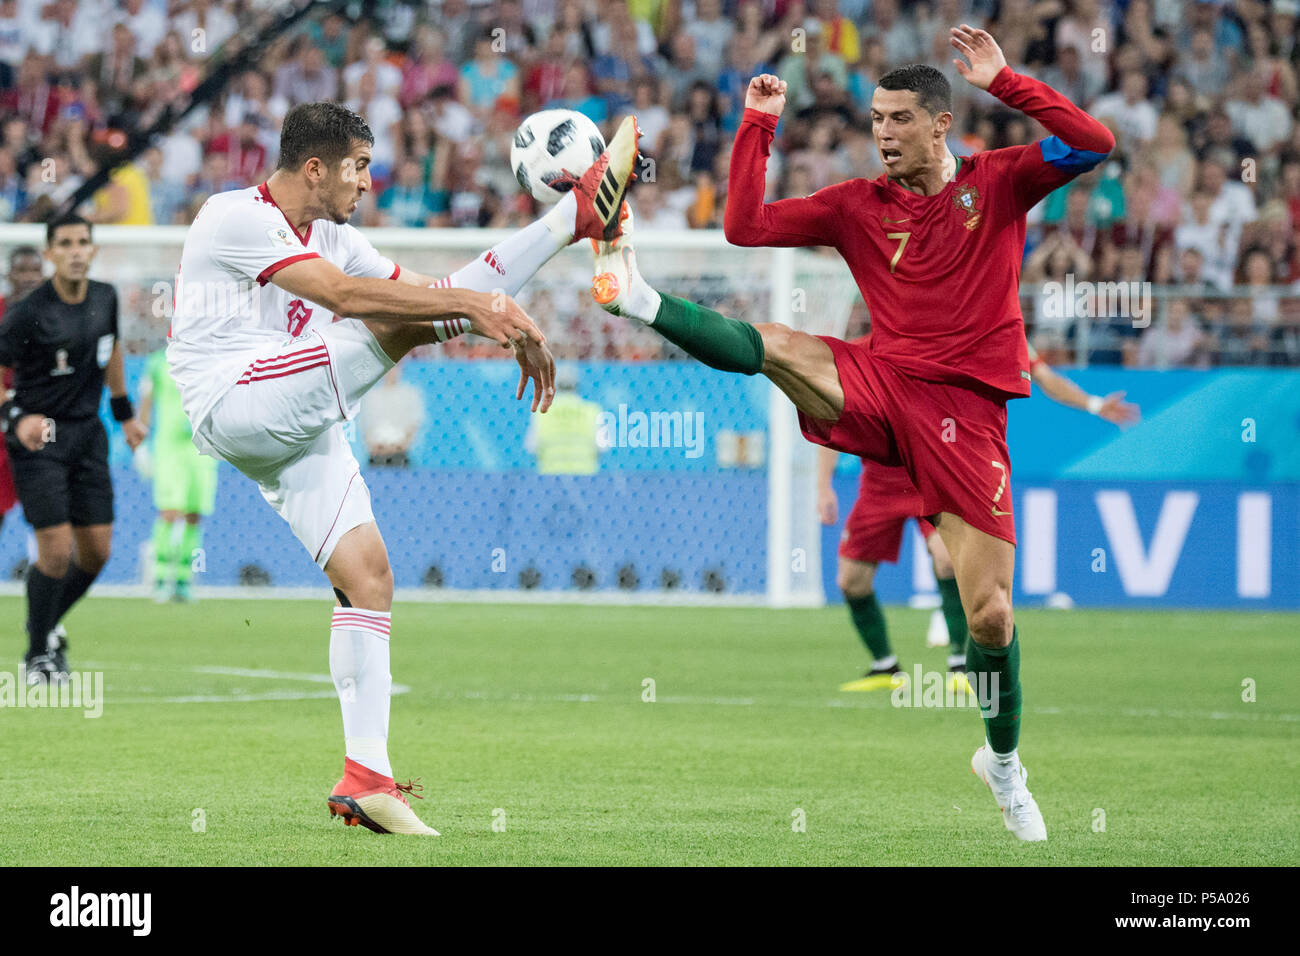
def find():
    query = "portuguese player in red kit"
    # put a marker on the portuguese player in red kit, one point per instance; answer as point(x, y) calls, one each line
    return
point(935, 245)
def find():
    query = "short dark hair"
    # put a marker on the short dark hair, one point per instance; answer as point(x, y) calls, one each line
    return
point(67, 219)
point(324, 130)
point(932, 89)
point(19, 251)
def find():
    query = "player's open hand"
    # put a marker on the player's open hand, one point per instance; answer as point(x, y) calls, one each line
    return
point(504, 321)
point(32, 432)
point(986, 59)
point(536, 365)
point(134, 433)
point(1114, 409)
point(766, 93)
point(828, 508)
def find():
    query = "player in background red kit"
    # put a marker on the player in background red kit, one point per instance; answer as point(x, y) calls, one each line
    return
point(935, 245)
point(26, 272)
point(873, 533)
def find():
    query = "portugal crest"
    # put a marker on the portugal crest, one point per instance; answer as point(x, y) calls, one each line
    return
point(967, 199)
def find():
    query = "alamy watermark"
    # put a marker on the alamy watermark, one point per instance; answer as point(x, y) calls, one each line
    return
point(1093, 300)
point(82, 690)
point(946, 689)
point(656, 429)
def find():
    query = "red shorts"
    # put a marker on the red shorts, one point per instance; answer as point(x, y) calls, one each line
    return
point(951, 440)
point(874, 529)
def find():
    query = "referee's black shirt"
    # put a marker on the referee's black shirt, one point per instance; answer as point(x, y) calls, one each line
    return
point(59, 351)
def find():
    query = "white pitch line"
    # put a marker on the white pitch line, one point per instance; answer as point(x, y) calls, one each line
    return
point(835, 702)
point(240, 698)
point(849, 704)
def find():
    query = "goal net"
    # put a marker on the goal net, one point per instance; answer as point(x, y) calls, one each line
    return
point(704, 490)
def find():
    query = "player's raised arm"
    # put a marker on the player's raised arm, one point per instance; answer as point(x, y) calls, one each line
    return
point(748, 221)
point(1078, 141)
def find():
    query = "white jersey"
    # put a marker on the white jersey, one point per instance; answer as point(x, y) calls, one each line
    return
point(227, 311)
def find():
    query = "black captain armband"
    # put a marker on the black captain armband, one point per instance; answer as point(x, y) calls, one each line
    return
point(9, 413)
point(121, 406)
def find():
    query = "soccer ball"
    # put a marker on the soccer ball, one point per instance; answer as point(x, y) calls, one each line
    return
point(550, 145)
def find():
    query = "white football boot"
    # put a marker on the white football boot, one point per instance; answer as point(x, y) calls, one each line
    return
point(614, 269)
point(1019, 811)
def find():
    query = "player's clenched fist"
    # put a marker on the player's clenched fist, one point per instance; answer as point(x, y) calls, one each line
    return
point(766, 93)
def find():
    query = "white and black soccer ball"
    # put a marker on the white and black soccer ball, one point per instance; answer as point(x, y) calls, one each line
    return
point(550, 146)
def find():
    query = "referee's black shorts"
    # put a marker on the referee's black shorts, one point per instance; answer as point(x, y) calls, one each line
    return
point(67, 481)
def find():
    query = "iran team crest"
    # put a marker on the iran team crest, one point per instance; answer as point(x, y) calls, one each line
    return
point(967, 199)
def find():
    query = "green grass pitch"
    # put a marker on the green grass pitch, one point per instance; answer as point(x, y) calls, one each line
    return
point(532, 719)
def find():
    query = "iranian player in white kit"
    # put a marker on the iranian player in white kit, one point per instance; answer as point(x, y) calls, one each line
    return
point(285, 316)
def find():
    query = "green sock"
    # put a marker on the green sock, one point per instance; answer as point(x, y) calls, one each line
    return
point(954, 616)
point(163, 551)
point(870, 622)
point(1003, 731)
point(719, 342)
point(191, 536)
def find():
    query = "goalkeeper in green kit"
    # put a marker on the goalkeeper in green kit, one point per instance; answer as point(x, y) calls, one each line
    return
point(184, 482)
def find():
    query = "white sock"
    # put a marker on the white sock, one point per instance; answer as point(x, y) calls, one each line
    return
point(359, 666)
point(1003, 763)
point(641, 302)
point(889, 661)
point(516, 259)
point(562, 219)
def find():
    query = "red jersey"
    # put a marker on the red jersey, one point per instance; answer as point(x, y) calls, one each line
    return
point(939, 273)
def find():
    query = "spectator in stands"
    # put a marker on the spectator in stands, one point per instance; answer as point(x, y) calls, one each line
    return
point(307, 77)
point(167, 199)
point(1203, 67)
point(1231, 201)
point(1255, 277)
point(685, 69)
point(1262, 119)
point(711, 31)
point(1216, 242)
point(1240, 339)
point(653, 212)
point(487, 78)
point(1175, 166)
point(13, 192)
point(651, 115)
point(428, 68)
point(147, 23)
point(1278, 240)
point(246, 159)
point(1068, 77)
point(116, 70)
point(125, 200)
point(579, 95)
point(383, 114)
point(1176, 342)
point(1129, 111)
point(898, 34)
point(800, 68)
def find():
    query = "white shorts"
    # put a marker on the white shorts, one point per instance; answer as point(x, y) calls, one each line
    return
point(281, 424)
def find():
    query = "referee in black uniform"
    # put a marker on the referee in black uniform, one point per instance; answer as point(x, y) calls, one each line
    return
point(61, 342)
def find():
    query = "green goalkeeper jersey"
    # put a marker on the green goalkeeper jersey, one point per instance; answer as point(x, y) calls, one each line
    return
point(170, 426)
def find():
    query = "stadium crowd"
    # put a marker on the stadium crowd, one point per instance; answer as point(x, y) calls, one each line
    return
point(1202, 193)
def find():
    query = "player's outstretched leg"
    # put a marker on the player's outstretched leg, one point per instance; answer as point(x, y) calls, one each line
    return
point(801, 365)
point(588, 211)
point(983, 565)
